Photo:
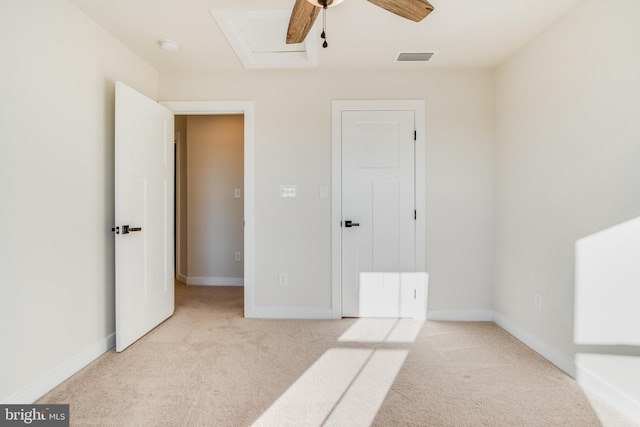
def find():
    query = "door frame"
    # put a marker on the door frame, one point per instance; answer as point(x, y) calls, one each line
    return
point(177, 203)
point(337, 107)
point(247, 109)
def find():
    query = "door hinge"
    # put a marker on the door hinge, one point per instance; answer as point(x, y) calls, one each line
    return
point(415, 135)
point(116, 230)
point(415, 214)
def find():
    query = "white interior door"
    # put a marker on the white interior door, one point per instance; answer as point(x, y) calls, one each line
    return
point(378, 209)
point(144, 171)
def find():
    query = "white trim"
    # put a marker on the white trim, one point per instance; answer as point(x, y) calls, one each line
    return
point(58, 375)
point(472, 315)
point(247, 108)
point(539, 346)
point(292, 313)
point(337, 107)
point(628, 406)
point(215, 281)
point(178, 198)
point(182, 278)
point(193, 108)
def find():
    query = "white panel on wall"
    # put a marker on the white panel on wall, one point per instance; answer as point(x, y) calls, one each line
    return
point(607, 290)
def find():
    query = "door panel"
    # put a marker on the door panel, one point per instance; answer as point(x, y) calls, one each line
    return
point(143, 200)
point(386, 226)
point(378, 194)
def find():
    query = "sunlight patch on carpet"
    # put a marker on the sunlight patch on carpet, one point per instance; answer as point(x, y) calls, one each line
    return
point(345, 386)
point(363, 399)
point(310, 400)
point(380, 330)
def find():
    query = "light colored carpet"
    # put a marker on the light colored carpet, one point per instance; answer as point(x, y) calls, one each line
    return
point(208, 366)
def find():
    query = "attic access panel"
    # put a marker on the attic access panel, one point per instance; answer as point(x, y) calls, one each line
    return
point(258, 38)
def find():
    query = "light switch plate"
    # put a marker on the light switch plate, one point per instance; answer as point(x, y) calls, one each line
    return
point(288, 190)
point(283, 279)
point(324, 191)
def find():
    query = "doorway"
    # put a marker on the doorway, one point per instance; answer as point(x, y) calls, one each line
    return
point(209, 203)
point(246, 109)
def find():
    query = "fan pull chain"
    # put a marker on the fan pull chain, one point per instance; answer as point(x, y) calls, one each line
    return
point(323, 35)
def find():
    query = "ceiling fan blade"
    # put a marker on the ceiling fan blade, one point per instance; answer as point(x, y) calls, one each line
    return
point(303, 16)
point(415, 10)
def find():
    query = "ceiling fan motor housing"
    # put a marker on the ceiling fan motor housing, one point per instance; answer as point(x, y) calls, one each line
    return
point(325, 3)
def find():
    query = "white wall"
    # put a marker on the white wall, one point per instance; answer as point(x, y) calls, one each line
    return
point(214, 215)
point(293, 140)
point(56, 189)
point(568, 155)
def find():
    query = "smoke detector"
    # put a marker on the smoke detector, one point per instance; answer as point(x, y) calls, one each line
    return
point(169, 45)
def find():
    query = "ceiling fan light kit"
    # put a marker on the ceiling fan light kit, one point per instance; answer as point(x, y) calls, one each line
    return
point(323, 3)
point(305, 12)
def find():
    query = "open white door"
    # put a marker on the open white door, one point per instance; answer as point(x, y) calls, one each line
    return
point(144, 189)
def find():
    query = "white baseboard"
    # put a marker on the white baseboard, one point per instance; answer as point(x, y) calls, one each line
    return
point(629, 407)
point(475, 315)
point(215, 281)
point(57, 376)
point(612, 395)
point(182, 278)
point(542, 348)
point(289, 313)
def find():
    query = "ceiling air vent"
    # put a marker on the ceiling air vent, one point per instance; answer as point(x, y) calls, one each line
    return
point(414, 56)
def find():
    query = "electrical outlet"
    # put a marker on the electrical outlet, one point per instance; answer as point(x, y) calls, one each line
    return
point(283, 279)
point(238, 256)
point(537, 301)
point(237, 193)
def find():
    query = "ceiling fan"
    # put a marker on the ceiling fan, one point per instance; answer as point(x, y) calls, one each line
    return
point(305, 12)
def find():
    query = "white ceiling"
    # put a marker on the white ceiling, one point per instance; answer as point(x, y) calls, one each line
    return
point(464, 33)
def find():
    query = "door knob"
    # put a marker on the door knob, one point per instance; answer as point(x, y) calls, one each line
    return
point(126, 229)
point(349, 224)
